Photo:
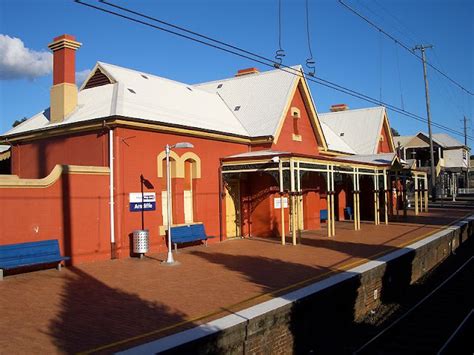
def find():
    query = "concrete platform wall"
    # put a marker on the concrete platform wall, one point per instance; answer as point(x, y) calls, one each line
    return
point(316, 317)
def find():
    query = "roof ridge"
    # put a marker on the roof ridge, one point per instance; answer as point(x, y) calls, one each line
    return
point(232, 112)
point(352, 110)
point(245, 76)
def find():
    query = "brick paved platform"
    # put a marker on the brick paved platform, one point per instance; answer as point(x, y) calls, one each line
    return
point(107, 305)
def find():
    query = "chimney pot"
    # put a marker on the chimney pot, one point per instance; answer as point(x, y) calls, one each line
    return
point(339, 107)
point(247, 71)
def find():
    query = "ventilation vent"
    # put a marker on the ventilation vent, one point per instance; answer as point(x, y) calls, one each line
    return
point(98, 79)
point(237, 108)
point(219, 86)
point(341, 134)
point(187, 87)
point(144, 76)
point(131, 90)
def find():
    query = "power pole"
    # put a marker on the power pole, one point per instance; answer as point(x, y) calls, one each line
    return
point(465, 131)
point(466, 175)
point(422, 48)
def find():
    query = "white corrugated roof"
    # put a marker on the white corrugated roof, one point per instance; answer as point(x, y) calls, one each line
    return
point(446, 140)
point(379, 159)
point(359, 129)
point(4, 148)
point(334, 142)
point(261, 98)
point(151, 98)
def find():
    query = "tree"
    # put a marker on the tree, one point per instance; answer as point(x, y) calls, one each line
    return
point(395, 133)
point(17, 122)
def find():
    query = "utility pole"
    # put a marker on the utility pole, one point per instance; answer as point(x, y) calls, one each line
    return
point(422, 48)
point(465, 131)
point(466, 175)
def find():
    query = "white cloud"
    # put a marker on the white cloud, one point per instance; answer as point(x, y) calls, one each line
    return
point(81, 76)
point(19, 62)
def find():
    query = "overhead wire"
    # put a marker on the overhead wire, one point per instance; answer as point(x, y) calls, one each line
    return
point(280, 52)
point(256, 58)
point(403, 45)
point(310, 62)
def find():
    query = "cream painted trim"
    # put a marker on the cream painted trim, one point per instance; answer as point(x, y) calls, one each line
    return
point(390, 135)
point(179, 164)
point(196, 163)
point(91, 74)
point(295, 110)
point(5, 155)
point(285, 110)
point(13, 181)
point(67, 129)
point(186, 131)
point(179, 168)
point(64, 43)
point(330, 153)
point(297, 137)
point(308, 160)
point(313, 113)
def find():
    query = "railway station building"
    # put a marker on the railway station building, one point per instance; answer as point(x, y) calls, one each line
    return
point(264, 162)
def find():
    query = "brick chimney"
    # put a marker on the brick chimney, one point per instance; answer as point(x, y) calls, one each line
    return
point(247, 71)
point(64, 89)
point(339, 107)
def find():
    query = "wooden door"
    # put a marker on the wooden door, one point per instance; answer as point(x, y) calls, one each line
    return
point(232, 208)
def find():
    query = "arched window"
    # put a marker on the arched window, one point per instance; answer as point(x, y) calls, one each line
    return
point(192, 170)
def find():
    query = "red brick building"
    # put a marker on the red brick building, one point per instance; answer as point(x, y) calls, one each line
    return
point(259, 145)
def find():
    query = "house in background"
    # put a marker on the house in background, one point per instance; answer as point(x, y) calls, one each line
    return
point(263, 163)
point(451, 157)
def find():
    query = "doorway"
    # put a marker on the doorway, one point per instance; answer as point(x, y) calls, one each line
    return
point(232, 209)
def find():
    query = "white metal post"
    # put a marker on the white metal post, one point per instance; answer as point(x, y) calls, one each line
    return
point(170, 259)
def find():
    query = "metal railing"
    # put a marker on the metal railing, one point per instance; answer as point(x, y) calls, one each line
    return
point(466, 191)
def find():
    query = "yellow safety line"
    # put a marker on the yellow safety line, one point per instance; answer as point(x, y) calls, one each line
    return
point(344, 267)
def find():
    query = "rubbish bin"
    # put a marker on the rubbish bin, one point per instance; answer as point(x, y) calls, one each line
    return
point(140, 241)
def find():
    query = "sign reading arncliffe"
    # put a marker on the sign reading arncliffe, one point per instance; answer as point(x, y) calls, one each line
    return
point(142, 202)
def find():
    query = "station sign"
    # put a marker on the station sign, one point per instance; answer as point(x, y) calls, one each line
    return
point(142, 202)
point(277, 202)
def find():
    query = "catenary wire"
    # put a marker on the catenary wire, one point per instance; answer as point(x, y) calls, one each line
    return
point(397, 41)
point(264, 61)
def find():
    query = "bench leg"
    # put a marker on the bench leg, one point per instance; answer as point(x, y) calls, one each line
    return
point(1, 274)
point(176, 247)
point(58, 267)
point(205, 242)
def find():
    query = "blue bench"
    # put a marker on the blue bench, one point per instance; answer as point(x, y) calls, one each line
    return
point(188, 233)
point(13, 256)
point(323, 215)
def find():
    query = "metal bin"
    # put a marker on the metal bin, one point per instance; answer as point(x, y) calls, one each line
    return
point(140, 241)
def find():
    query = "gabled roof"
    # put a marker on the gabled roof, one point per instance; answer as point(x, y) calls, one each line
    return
point(403, 140)
point(334, 142)
point(446, 141)
point(378, 159)
point(421, 140)
point(144, 96)
point(360, 129)
point(257, 100)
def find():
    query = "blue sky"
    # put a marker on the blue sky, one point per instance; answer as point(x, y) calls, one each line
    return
point(346, 49)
